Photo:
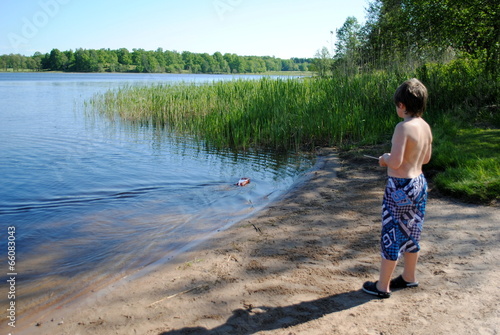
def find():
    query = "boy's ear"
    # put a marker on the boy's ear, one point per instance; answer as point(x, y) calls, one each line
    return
point(401, 105)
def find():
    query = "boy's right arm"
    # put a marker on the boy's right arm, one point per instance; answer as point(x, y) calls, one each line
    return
point(394, 159)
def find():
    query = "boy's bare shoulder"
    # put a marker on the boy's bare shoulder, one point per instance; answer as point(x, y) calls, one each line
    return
point(414, 130)
point(413, 124)
point(404, 126)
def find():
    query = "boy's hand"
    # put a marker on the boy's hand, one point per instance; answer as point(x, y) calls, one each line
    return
point(381, 160)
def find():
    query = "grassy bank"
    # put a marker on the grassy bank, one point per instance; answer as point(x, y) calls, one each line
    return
point(467, 163)
point(347, 112)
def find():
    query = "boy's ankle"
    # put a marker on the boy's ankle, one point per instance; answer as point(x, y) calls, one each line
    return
point(414, 279)
point(382, 289)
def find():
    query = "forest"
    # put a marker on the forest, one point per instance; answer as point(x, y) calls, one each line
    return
point(405, 34)
point(142, 61)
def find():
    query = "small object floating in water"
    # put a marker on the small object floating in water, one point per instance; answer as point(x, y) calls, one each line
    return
point(243, 181)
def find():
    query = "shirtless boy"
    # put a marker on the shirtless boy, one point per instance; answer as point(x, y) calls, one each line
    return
point(405, 194)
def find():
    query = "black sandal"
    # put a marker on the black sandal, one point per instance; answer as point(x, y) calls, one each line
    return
point(399, 282)
point(371, 288)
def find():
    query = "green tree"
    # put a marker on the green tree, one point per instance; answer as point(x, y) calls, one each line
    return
point(57, 60)
point(96, 61)
point(322, 64)
point(428, 29)
point(189, 60)
point(160, 57)
point(348, 46)
point(233, 62)
point(207, 63)
point(173, 62)
point(37, 59)
point(3, 62)
point(70, 60)
point(288, 65)
point(221, 64)
point(258, 65)
point(137, 56)
point(304, 67)
point(272, 64)
point(149, 63)
point(471, 26)
point(17, 62)
point(87, 61)
point(124, 56)
point(31, 64)
point(82, 61)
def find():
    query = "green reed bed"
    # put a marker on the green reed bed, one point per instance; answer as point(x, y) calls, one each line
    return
point(282, 114)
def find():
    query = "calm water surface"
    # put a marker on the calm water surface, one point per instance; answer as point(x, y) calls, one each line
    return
point(90, 198)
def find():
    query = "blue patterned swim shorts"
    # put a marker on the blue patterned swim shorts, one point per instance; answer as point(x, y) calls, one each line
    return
point(403, 211)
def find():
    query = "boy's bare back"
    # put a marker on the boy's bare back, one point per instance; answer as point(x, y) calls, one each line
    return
point(411, 148)
point(412, 138)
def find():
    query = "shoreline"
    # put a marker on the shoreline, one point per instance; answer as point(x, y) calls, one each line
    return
point(297, 267)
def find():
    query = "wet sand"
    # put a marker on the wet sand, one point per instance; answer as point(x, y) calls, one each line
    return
point(297, 268)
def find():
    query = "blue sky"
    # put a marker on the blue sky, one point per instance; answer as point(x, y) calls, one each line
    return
point(280, 28)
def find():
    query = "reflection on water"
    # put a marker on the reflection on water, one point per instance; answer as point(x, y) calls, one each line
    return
point(91, 198)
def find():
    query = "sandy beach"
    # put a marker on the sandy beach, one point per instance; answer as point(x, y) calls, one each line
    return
point(297, 268)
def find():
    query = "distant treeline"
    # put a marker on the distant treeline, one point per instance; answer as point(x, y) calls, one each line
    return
point(140, 60)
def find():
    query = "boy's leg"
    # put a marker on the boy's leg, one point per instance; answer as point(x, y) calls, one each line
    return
point(386, 269)
point(410, 266)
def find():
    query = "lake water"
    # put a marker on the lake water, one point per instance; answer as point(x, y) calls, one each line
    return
point(90, 199)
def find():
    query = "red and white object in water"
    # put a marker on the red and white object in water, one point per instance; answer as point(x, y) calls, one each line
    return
point(243, 181)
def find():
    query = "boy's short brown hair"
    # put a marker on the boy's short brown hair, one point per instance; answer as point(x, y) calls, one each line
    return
point(413, 94)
